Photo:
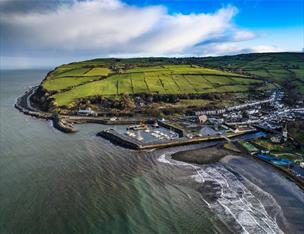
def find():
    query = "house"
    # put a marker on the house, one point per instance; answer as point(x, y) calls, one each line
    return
point(276, 139)
point(86, 112)
point(285, 133)
point(207, 131)
point(202, 119)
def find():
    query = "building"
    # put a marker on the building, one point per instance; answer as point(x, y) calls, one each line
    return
point(276, 139)
point(285, 133)
point(208, 131)
point(86, 112)
point(202, 119)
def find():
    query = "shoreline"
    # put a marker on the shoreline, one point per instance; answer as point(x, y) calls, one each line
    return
point(254, 172)
point(274, 182)
point(213, 154)
point(23, 105)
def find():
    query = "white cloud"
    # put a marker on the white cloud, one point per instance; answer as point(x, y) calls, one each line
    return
point(111, 26)
point(243, 35)
point(101, 28)
point(84, 25)
point(217, 49)
point(265, 48)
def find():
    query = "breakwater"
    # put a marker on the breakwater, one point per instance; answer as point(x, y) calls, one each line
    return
point(24, 105)
point(107, 121)
point(179, 131)
point(63, 126)
point(128, 142)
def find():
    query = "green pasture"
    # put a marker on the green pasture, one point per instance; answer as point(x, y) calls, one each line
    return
point(277, 67)
point(64, 83)
point(98, 71)
point(113, 77)
point(156, 80)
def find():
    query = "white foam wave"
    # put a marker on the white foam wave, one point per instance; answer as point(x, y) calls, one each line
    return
point(166, 158)
point(238, 201)
point(50, 123)
point(234, 200)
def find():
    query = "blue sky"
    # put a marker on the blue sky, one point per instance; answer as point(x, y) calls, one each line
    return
point(44, 33)
point(252, 13)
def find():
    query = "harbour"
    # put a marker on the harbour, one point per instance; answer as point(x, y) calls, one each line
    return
point(48, 177)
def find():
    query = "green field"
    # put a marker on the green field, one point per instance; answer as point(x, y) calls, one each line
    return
point(281, 68)
point(64, 82)
point(165, 79)
point(99, 71)
point(113, 77)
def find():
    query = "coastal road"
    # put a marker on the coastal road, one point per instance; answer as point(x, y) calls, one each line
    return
point(25, 99)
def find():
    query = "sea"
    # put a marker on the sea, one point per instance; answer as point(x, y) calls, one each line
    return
point(51, 182)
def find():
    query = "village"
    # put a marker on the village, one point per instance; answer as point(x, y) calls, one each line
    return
point(267, 121)
point(269, 118)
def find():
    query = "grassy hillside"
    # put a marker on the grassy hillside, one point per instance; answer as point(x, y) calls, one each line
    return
point(283, 68)
point(71, 82)
point(228, 74)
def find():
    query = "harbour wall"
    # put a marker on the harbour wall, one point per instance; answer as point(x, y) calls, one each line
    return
point(128, 142)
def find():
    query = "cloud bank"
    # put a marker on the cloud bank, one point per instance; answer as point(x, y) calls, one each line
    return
point(111, 27)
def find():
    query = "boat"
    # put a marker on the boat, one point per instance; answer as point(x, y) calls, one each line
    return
point(155, 125)
point(137, 127)
point(139, 137)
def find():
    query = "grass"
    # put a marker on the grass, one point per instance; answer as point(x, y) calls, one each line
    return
point(230, 146)
point(192, 102)
point(267, 144)
point(112, 77)
point(74, 72)
point(277, 67)
point(294, 130)
point(99, 71)
point(64, 83)
point(178, 79)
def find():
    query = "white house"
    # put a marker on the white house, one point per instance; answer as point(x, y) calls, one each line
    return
point(86, 112)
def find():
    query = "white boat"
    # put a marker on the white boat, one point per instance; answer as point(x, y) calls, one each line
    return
point(139, 137)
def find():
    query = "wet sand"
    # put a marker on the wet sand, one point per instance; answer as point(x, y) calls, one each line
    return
point(202, 156)
point(285, 193)
point(286, 200)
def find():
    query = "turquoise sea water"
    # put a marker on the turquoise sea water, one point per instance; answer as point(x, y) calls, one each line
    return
point(52, 182)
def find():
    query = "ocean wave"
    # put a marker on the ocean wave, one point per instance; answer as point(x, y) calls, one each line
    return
point(233, 197)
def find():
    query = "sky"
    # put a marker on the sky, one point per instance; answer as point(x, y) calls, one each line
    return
point(47, 33)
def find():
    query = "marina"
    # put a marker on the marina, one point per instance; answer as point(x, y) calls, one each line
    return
point(152, 134)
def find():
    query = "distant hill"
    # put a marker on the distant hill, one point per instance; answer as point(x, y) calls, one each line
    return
point(278, 67)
